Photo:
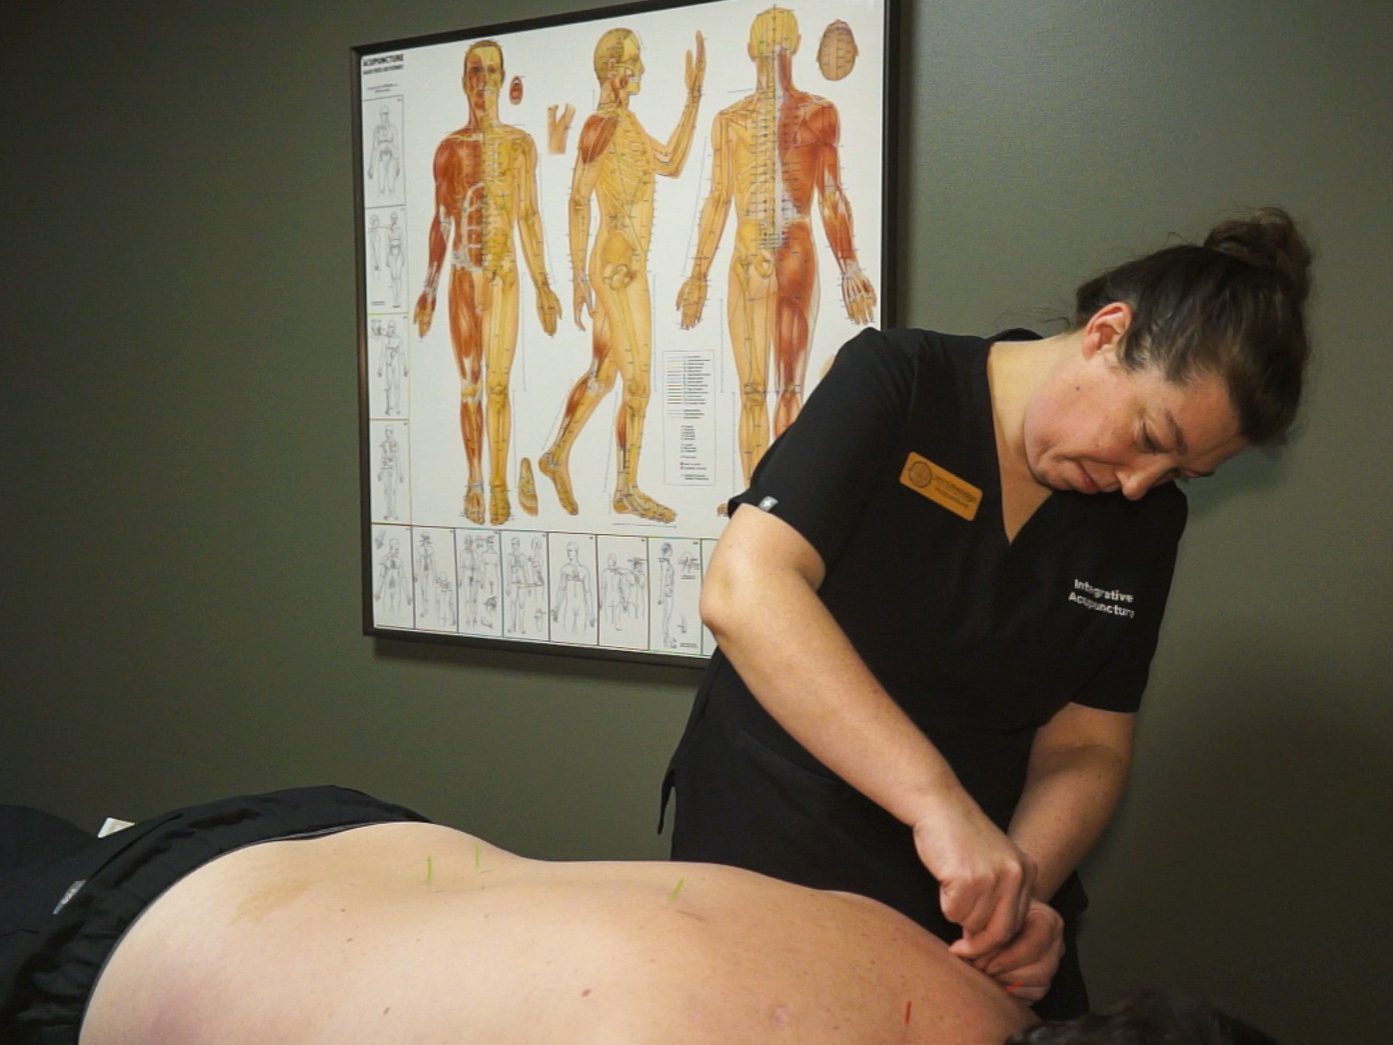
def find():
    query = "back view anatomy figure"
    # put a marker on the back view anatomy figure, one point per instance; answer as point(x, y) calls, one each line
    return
point(616, 163)
point(485, 184)
point(772, 153)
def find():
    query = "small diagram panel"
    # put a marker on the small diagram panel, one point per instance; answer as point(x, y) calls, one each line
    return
point(708, 641)
point(388, 368)
point(386, 262)
point(391, 590)
point(382, 151)
point(433, 570)
point(391, 482)
point(573, 590)
point(525, 605)
point(623, 592)
point(480, 569)
point(675, 620)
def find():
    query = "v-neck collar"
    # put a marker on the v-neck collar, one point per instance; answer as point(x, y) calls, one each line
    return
point(993, 490)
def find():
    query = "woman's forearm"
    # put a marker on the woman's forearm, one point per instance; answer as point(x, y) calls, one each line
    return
point(1070, 795)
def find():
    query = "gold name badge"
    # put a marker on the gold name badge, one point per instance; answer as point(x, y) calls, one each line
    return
point(941, 486)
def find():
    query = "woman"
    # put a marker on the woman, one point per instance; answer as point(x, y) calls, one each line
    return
point(937, 603)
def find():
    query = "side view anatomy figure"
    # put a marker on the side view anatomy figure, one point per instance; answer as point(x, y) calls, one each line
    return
point(485, 185)
point(616, 162)
point(772, 153)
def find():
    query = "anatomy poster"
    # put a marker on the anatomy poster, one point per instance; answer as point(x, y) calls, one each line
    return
point(603, 260)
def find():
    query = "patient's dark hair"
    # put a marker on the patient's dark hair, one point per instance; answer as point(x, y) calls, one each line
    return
point(1147, 1017)
point(1232, 306)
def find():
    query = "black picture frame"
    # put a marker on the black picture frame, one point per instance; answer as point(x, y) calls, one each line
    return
point(602, 582)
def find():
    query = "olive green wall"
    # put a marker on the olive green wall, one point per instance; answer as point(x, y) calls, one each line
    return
point(181, 564)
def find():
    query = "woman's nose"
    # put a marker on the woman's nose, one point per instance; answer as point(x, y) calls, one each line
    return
point(1136, 481)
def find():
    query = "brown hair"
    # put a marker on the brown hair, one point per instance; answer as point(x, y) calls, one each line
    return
point(1147, 1017)
point(1232, 306)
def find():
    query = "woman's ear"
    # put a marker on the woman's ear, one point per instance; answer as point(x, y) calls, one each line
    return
point(1105, 330)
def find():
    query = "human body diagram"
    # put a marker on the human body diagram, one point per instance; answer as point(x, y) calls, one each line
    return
point(573, 610)
point(392, 590)
point(376, 247)
point(437, 597)
point(396, 259)
point(391, 474)
point(676, 622)
point(485, 187)
point(621, 591)
point(386, 259)
point(391, 367)
point(426, 570)
point(525, 599)
point(384, 159)
point(774, 153)
point(479, 582)
point(616, 164)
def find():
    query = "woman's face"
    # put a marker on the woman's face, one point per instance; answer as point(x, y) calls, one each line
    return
point(1098, 427)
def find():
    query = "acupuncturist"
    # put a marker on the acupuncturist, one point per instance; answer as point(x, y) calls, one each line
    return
point(937, 603)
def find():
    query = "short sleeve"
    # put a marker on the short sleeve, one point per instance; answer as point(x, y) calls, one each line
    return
point(820, 473)
point(1119, 684)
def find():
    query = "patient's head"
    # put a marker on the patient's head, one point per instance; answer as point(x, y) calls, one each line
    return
point(1147, 1018)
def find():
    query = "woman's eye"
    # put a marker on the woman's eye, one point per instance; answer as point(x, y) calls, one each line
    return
point(1147, 443)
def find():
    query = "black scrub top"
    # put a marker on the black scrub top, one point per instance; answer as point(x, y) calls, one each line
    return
point(979, 640)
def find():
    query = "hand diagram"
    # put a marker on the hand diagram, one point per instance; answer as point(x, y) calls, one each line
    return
point(559, 127)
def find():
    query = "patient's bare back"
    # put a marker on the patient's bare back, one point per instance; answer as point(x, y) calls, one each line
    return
point(411, 932)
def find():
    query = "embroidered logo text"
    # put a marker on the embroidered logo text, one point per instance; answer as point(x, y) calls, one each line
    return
point(1102, 600)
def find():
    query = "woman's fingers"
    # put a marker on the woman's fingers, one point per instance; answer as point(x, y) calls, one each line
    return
point(995, 917)
point(1026, 964)
point(984, 879)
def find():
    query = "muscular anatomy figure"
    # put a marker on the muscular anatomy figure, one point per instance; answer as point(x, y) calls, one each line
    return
point(773, 152)
point(485, 184)
point(616, 163)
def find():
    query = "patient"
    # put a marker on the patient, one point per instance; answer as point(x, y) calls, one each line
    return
point(355, 920)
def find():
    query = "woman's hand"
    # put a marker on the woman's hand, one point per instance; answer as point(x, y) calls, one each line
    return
point(984, 878)
point(1027, 964)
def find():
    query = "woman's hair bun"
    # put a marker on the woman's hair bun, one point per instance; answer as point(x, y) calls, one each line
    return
point(1232, 306)
point(1268, 239)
